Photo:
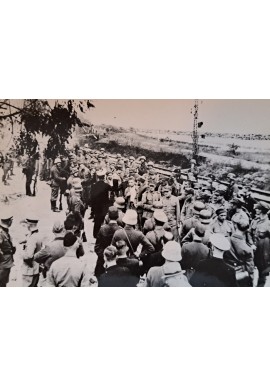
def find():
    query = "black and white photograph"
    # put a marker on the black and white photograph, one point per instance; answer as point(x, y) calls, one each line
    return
point(134, 193)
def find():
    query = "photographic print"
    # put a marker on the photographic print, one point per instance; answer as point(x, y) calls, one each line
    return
point(134, 193)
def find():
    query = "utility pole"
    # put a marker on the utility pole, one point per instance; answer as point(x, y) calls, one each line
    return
point(195, 131)
point(195, 135)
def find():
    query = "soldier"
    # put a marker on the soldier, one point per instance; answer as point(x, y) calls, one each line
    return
point(7, 250)
point(56, 181)
point(238, 213)
point(6, 166)
point(214, 272)
point(148, 198)
point(120, 205)
point(104, 239)
point(33, 244)
point(172, 210)
point(220, 224)
point(143, 167)
point(192, 221)
point(259, 239)
point(133, 238)
point(100, 201)
point(157, 234)
point(232, 189)
point(131, 194)
point(29, 171)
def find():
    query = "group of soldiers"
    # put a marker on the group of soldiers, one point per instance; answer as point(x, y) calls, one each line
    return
point(7, 164)
point(149, 229)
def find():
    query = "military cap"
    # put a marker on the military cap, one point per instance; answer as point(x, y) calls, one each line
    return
point(57, 161)
point(166, 188)
point(142, 157)
point(206, 194)
point(231, 176)
point(199, 230)
point(205, 216)
point(198, 206)
point(262, 206)
point(102, 149)
point(193, 161)
point(118, 155)
point(160, 215)
point(119, 202)
point(6, 214)
point(32, 219)
point(132, 158)
point(221, 211)
point(101, 173)
point(150, 163)
point(219, 241)
point(189, 190)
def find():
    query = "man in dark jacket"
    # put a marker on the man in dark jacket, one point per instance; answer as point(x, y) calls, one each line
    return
point(123, 260)
point(195, 251)
point(214, 272)
point(114, 275)
point(133, 237)
point(241, 254)
point(7, 249)
point(104, 239)
point(29, 170)
point(100, 201)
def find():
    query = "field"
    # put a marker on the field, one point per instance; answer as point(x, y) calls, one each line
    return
point(252, 157)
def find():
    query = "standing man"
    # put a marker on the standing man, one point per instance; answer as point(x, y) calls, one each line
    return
point(69, 271)
point(100, 201)
point(7, 249)
point(104, 239)
point(56, 181)
point(29, 171)
point(33, 244)
point(220, 224)
point(171, 208)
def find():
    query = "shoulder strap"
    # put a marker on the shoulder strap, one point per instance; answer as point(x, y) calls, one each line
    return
point(129, 241)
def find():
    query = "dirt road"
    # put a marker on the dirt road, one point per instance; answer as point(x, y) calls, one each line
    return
point(23, 206)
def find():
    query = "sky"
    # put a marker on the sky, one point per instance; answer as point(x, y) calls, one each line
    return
point(227, 115)
point(218, 115)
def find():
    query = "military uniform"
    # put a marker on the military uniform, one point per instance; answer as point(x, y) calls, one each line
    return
point(30, 268)
point(148, 198)
point(7, 251)
point(225, 227)
point(172, 210)
point(56, 181)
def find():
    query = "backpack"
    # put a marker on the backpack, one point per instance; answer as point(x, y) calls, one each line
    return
point(177, 279)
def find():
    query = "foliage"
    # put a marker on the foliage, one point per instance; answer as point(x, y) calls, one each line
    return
point(233, 149)
point(56, 121)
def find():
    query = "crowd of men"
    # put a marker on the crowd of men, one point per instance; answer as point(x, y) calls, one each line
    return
point(149, 229)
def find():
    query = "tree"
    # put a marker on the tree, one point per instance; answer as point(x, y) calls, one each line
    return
point(56, 121)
